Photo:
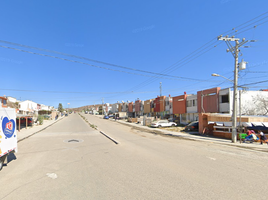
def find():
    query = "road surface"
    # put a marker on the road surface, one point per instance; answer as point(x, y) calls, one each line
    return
point(72, 160)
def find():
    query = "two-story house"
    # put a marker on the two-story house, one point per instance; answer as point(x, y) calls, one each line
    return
point(3, 102)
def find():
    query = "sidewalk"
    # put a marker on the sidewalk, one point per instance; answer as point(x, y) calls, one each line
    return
point(26, 133)
point(196, 137)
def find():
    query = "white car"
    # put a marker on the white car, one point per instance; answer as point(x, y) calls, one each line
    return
point(163, 123)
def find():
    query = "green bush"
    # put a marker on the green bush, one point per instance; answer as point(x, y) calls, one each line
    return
point(40, 119)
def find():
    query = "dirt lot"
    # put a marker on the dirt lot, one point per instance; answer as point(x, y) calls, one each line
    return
point(175, 129)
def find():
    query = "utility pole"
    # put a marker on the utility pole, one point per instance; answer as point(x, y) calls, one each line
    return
point(102, 107)
point(160, 89)
point(235, 51)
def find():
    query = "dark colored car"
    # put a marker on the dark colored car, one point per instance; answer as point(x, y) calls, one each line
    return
point(23, 121)
point(106, 117)
point(193, 126)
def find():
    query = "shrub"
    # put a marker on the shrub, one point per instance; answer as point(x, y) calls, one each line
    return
point(40, 119)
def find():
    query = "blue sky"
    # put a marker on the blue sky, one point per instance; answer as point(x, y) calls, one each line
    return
point(137, 44)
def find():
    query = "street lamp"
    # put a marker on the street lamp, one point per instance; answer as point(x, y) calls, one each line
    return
point(234, 114)
point(214, 74)
point(235, 51)
point(68, 107)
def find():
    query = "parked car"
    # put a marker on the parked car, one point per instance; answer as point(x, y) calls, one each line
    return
point(23, 121)
point(193, 126)
point(106, 117)
point(163, 123)
point(171, 119)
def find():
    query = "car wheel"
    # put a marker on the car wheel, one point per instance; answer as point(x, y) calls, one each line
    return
point(173, 125)
point(159, 126)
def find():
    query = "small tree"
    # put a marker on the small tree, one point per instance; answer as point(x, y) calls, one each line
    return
point(40, 119)
point(261, 104)
point(60, 108)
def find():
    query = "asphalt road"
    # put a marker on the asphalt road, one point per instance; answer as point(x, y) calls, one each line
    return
point(71, 160)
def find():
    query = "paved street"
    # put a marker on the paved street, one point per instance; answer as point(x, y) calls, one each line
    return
point(71, 160)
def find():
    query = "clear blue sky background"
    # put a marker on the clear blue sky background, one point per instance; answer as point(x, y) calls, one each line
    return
point(152, 35)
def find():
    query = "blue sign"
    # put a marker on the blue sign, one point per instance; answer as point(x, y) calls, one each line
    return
point(8, 127)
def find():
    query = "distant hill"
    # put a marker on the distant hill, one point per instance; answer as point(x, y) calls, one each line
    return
point(79, 109)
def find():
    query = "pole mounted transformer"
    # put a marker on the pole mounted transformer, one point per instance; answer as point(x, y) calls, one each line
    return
point(235, 52)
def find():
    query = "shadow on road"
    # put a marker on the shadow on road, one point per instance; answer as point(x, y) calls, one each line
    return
point(9, 158)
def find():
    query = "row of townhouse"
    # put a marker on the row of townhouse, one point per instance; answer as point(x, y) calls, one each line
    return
point(186, 108)
point(24, 107)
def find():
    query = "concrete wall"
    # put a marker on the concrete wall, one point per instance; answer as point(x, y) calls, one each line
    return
point(179, 104)
point(162, 103)
point(208, 100)
point(147, 106)
point(130, 107)
point(137, 105)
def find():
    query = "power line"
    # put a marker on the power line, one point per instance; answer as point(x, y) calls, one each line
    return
point(172, 67)
point(253, 83)
point(106, 68)
point(260, 72)
point(72, 92)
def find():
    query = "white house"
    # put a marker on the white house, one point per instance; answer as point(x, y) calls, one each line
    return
point(191, 108)
point(12, 100)
point(125, 107)
point(169, 105)
point(27, 107)
point(252, 102)
point(114, 108)
point(44, 107)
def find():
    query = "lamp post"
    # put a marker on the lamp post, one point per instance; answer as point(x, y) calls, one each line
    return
point(234, 113)
point(68, 107)
point(234, 50)
point(214, 74)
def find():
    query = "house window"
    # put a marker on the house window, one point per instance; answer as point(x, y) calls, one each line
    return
point(189, 103)
point(225, 98)
point(194, 102)
point(211, 94)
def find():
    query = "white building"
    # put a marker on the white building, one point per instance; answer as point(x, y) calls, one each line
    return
point(125, 107)
point(28, 107)
point(191, 108)
point(252, 102)
point(169, 105)
point(12, 100)
point(114, 108)
point(45, 107)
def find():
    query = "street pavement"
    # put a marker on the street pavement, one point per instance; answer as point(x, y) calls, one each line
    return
point(25, 133)
point(70, 159)
point(31, 130)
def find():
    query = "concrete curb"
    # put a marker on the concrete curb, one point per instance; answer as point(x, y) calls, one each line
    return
point(98, 129)
point(199, 138)
point(109, 137)
point(40, 130)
